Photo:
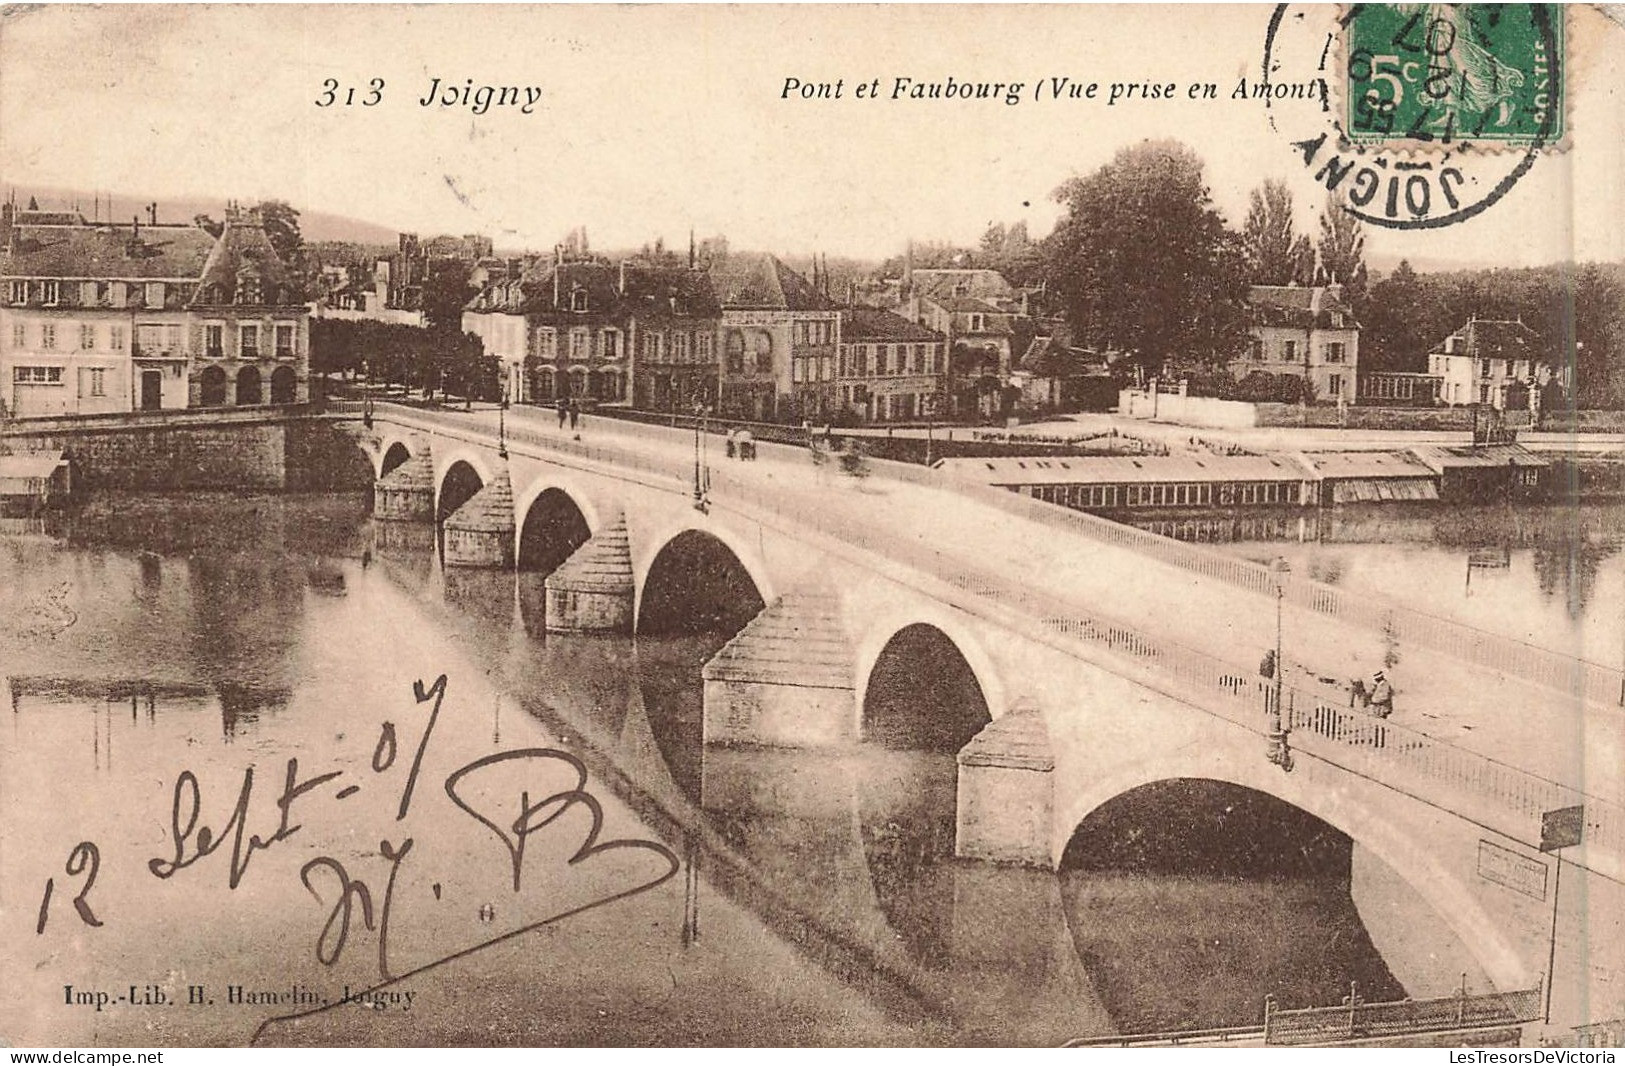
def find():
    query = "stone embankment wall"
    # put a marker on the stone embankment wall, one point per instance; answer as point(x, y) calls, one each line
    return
point(168, 452)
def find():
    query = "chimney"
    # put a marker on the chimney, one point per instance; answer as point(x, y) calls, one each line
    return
point(623, 277)
point(152, 212)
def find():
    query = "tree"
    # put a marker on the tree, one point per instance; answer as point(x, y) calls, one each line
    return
point(281, 222)
point(446, 292)
point(1275, 253)
point(1143, 263)
point(1340, 253)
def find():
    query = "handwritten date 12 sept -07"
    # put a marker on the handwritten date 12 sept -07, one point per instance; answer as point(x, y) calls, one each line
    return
point(193, 842)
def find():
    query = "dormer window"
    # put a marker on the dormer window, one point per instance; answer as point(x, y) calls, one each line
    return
point(119, 293)
point(155, 294)
point(248, 289)
point(19, 292)
point(578, 300)
point(48, 293)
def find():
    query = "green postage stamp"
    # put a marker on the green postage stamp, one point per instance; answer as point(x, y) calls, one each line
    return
point(1489, 74)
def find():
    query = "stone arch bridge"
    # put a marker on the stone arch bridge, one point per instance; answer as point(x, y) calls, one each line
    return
point(1055, 708)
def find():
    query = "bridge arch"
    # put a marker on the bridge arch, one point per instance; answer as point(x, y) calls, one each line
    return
point(748, 559)
point(716, 556)
point(392, 456)
point(461, 476)
point(882, 634)
point(552, 523)
point(1416, 862)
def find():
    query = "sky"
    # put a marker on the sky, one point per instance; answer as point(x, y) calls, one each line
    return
point(653, 120)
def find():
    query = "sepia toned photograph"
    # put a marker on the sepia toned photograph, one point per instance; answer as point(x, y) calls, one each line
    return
point(812, 526)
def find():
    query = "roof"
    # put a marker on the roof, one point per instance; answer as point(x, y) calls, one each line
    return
point(1123, 469)
point(106, 252)
point(763, 282)
point(27, 465)
point(1386, 465)
point(1303, 307)
point(973, 282)
point(1050, 356)
point(863, 324)
point(243, 251)
point(665, 291)
point(1484, 338)
point(1441, 457)
point(598, 280)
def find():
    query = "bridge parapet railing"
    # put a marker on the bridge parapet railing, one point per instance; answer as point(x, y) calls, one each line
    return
point(1420, 765)
point(1355, 1020)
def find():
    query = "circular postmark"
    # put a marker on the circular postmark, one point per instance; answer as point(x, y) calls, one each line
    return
point(1428, 114)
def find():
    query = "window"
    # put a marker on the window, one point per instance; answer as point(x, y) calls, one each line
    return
point(679, 347)
point(87, 338)
point(1289, 350)
point(704, 347)
point(89, 294)
point(578, 300)
point(736, 352)
point(1334, 352)
point(1484, 368)
point(1255, 349)
point(19, 335)
point(172, 338)
point(115, 338)
point(249, 342)
point(978, 323)
point(47, 337)
point(155, 294)
point(118, 294)
point(149, 338)
point(547, 342)
point(930, 358)
point(37, 375)
point(1334, 384)
point(48, 292)
point(98, 381)
point(284, 340)
point(214, 339)
point(578, 340)
point(612, 344)
point(798, 369)
point(19, 292)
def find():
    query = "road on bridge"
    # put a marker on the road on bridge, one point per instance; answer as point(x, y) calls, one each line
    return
point(1528, 726)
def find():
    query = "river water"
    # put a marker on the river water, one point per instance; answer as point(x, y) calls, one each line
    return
point(1550, 575)
point(226, 814)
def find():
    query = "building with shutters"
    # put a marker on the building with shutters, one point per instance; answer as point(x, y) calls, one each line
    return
point(97, 318)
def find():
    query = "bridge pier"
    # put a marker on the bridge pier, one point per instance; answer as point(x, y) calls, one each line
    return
point(592, 590)
point(1006, 804)
point(406, 494)
point(786, 679)
point(480, 532)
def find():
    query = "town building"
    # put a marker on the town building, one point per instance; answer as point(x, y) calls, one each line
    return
point(780, 340)
point(1491, 362)
point(102, 319)
point(250, 327)
point(1307, 332)
point(577, 332)
point(496, 315)
point(986, 325)
point(890, 369)
point(674, 323)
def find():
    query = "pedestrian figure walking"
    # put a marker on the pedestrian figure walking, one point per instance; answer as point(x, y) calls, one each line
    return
point(732, 442)
point(564, 411)
point(575, 413)
point(1382, 695)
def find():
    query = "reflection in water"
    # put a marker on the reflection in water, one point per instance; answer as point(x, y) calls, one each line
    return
point(263, 620)
point(1551, 575)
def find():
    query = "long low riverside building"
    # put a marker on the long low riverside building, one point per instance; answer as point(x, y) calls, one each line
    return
point(1298, 479)
point(1120, 482)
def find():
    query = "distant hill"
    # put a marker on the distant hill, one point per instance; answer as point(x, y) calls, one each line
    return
point(314, 225)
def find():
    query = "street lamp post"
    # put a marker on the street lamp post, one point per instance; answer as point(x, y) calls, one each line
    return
point(701, 503)
point(502, 422)
point(366, 396)
point(1278, 751)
